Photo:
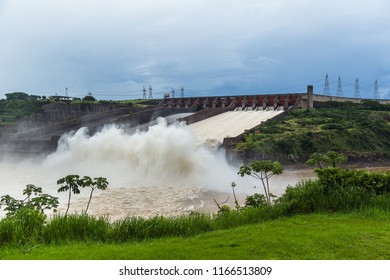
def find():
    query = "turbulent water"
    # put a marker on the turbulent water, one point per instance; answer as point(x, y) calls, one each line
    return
point(163, 170)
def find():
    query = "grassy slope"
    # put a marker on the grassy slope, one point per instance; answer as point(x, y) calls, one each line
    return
point(316, 236)
point(356, 132)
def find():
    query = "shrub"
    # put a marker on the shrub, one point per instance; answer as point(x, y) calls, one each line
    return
point(305, 197)
point(23, 227)
point(256, 200)
point(337, 178)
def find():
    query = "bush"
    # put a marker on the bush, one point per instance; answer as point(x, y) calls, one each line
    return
point(256, 200)
point(23, 227)
point(304, 198)
point(337, 178)
point(337, 190)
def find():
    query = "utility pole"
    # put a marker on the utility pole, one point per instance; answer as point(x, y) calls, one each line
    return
point(376, 90)
point(150, 92)
point(173, 93)
point(66, 91)
point(356, 93)
point(182, 92)
point(339, 92)
point(326, 86)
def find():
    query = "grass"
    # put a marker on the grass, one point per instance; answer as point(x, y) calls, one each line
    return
point(360, 235)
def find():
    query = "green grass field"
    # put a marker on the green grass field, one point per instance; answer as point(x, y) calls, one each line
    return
point(353, 236)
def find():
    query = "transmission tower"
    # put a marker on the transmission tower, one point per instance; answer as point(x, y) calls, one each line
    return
point(339, 92)
point(376, 90)
point(326, 86)
point(182, 92)
point(150, 92)
point(173, 93)
point(356, 93)
point(144, 91)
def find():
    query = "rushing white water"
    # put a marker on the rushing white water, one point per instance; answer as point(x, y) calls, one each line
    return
point(229, 124)
point(163, 155)
point(159, 171)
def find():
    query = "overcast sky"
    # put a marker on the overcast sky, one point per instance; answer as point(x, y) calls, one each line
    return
point(114, 48)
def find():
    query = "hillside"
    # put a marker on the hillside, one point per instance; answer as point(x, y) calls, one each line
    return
point(20, 111)
point(361, 133)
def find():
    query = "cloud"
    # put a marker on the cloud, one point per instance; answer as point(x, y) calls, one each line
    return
point(228, 45)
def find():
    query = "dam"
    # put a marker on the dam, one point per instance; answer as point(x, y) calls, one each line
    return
point(215, 119)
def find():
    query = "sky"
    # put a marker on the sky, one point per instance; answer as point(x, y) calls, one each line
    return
point(114, 48)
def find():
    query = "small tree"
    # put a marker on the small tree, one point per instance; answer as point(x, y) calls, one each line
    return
point(334, 158)
point(35, 199)
point(262, 170)
point(73, 183)
point(331, 158)
point(315, 159)
point(256, 200)
point(69, 183)
point(99, 183)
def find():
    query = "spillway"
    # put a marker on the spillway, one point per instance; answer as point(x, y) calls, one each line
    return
point(229, 124)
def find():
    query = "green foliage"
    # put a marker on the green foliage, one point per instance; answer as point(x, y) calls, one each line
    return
point(35, 199)
point(351, 131)
point(19, 104)
point(331, 158)
point(17, 96)
point(73, 183)
point(255, 200)
point(305, 197)
point(99, 183)
point(25, 219)
point(79, 228)
point(263, 171)
point(337, 179)
point(137, 228)
point(89, 98)
point(25, 226)
point(70, 183)
point(315, 159)
point(337, 190)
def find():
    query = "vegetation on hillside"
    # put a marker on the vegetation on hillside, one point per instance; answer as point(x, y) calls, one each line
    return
point(18, 105)
point(357, 132)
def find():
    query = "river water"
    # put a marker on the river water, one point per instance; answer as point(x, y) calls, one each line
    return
point(164, 170)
